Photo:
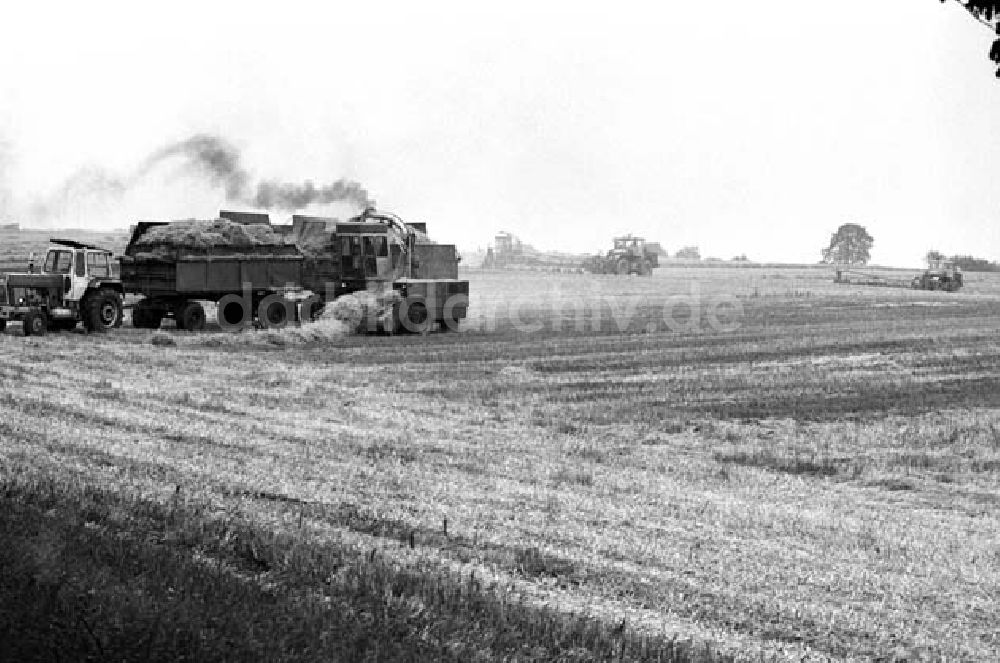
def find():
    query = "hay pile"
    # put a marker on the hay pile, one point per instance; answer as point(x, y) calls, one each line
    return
point(346, 315)
point(199, 237)
point(363, 311)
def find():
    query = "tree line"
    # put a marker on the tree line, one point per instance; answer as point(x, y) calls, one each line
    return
point(852, 244)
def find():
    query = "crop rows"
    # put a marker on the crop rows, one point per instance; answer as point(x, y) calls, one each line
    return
point(819, 481)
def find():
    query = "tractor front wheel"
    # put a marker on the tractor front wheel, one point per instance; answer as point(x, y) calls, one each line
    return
point(35, 324)
point(102, 311)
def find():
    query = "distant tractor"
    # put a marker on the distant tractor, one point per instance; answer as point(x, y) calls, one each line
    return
point(941, 275)
point(75, 285)
point(630, 255)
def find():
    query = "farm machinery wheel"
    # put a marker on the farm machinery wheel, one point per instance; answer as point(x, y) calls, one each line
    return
point(418, 319)
point(35, 324)
point(102, 310)
point(191, 317)
point(622, 268)
point(145, 316)
point(3, 326)
point(276, 314)
point(645, 268)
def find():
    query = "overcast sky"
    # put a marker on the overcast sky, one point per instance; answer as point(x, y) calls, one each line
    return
point(739, 127)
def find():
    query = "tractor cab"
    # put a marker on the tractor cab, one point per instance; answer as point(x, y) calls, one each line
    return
point(630, 246)
point(79, 264)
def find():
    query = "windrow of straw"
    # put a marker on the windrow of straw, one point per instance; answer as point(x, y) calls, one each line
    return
point(364, 311)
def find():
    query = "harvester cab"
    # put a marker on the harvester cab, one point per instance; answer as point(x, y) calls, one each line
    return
point(76, 284)
point(374, 247)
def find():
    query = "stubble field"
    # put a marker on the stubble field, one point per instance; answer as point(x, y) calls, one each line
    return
point(709, 464)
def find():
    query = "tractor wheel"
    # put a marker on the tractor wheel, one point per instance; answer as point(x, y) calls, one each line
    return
point(3, 326)
point(645, 268)
point(35, 324)
point(417, 320)
point(191, 317)
point(622, 267)
point(102, 310)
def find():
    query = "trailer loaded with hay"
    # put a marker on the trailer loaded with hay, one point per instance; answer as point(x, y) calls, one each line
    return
point(270, 275)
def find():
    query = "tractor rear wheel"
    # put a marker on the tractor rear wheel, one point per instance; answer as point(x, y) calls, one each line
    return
point(645, 268)
point(35, 324)
point(191, 317)
point(102, 310)
point(3, 326)
point(622, 267)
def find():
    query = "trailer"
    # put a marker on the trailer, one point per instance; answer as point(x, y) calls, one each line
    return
point(848, 277)
point(314, 261)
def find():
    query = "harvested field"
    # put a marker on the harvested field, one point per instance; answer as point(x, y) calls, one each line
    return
point(709, 464)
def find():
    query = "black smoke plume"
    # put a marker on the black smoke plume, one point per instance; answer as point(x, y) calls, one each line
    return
point(221, 160)
point(216, 157)
point(212, 157)
point(289, 197)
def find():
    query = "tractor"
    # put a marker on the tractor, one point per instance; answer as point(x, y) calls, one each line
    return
point(941, 275)
point(75, 284)
point(630, 255)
